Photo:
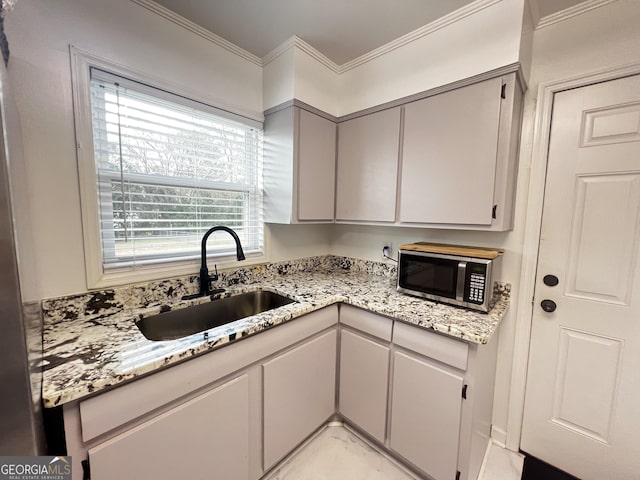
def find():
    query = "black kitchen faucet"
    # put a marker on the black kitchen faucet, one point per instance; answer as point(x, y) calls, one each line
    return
point(205, 278)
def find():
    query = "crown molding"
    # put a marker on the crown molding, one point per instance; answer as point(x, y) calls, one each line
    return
point(198, 30)
point(279, 50)
point(571, 12)
point(418, 33)
point(317, 55)
point(295, 41)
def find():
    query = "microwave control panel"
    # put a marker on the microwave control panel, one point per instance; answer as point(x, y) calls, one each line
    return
point(476, 283)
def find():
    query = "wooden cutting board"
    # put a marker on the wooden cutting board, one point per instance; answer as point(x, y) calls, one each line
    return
point(476, 252)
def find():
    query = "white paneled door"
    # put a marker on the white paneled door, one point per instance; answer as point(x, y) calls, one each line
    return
point(582, 409)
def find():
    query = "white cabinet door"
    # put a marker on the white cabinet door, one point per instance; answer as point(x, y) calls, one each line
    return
point(425, 415)
point(364, 373)
point(368, 167)
point(316, 167)
point(206, 437)
point(449, 156)
point(299, 395)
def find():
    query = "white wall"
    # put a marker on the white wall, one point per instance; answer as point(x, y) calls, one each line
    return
point(526, 41)
point(29, 281)
point(298, 241)
point(39, 33)
point(605, 37)
point(442, 56)
point(315, 83)
point(278, 79)
point(294, 73)
point(483, 41)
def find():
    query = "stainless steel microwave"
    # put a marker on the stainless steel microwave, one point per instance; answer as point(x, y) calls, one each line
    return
point(458, 275)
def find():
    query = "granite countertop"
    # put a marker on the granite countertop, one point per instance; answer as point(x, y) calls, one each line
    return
point(91, 341)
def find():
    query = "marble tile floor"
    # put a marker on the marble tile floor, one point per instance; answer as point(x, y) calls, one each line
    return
point(336, 454)
point(501, 464)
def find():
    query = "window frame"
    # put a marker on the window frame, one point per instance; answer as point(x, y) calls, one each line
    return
point(96, 275)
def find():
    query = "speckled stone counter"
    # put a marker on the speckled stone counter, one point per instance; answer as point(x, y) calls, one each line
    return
point(91, 341)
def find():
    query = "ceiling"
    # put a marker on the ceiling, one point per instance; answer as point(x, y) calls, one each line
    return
point(341, 29)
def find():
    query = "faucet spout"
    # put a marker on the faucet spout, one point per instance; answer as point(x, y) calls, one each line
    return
point(239, 252)
point(205, 278)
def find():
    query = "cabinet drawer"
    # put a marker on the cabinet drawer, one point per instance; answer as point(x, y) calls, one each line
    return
point(446, 350)
point(367, 322)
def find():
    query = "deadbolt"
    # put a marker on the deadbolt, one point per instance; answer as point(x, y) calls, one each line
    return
point(550, 280)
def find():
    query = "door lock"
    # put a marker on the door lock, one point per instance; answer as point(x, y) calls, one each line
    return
point(548, 305)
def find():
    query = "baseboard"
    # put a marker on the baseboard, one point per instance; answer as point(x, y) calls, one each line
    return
point(499, 436)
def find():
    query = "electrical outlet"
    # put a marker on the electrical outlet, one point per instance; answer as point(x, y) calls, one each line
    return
point(387, 249)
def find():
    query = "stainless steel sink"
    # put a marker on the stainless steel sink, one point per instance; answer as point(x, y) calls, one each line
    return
point(187, 321)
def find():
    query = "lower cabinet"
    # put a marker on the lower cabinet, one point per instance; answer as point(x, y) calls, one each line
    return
point(426, 398)
point(205, 418)
point(426, 410)
point(237, 411)
point(206, 437)
point(364, 374)
point(299, 395)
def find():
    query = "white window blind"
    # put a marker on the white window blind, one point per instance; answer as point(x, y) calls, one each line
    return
point(168, 169)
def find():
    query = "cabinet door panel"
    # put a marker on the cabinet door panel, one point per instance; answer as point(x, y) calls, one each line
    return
point(316, 167)
point(425, 415)
point(449, 156)
point(299, 395)
point(368, 167)
point(364, 371)
point(215, 426)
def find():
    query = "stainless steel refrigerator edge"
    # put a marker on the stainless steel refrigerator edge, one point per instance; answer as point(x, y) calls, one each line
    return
point(21, 427)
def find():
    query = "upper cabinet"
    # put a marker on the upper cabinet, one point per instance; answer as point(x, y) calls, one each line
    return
point(445, 158)
point(459, 157)
point(299, 167)
point(368, 149)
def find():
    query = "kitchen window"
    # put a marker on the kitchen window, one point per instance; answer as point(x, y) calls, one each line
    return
point(166, 169)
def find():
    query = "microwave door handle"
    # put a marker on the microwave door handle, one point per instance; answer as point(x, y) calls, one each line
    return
point(462, 271)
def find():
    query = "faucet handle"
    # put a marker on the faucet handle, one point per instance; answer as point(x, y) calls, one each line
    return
point(214, 277)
